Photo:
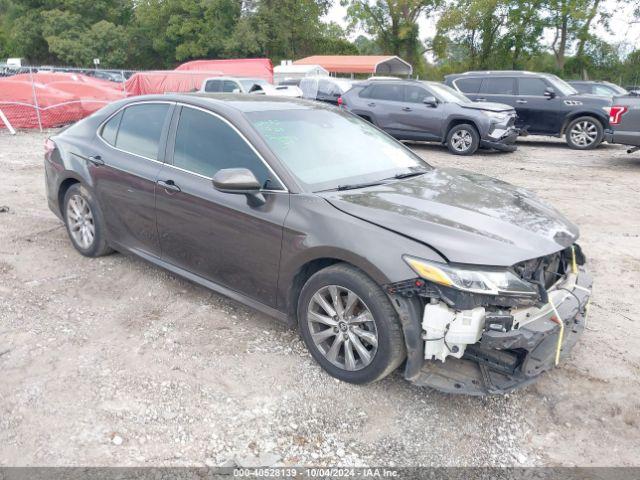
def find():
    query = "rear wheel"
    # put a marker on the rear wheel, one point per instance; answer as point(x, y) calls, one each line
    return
point(84, 223)
point(349, 325)
point(463, 139)
point(584, 133)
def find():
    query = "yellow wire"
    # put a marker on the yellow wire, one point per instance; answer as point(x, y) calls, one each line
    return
point(574, 264)
point(561, 335)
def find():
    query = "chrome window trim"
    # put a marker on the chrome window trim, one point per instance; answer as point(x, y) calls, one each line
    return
point(99, 130)
point(100, 127)
point(241, 135)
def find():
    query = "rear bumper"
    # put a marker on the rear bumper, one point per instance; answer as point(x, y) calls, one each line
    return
point(622, 137)
point(501, 362)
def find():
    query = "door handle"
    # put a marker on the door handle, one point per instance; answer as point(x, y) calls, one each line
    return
point(521, 101)
point(372, 104)
point(169, 185)
point(481, 99)
point(96, 160)
point(406, 109)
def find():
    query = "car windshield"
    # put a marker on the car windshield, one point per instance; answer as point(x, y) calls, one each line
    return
point(561, 86)
point(327, 149)
point(447, 94)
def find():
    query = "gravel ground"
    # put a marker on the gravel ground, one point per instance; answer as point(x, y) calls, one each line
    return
point(113, 361)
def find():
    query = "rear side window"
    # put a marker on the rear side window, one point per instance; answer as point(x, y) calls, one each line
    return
point(391, 92)
point(468, 85)
point(110, 129)
point(141, 128)
point(532, 86)
point(602, 90)
point(498, 86)
point(228, 86)
point(214, 86)
point(206, 144)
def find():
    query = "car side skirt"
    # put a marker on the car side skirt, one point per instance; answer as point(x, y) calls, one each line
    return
point(232, 294)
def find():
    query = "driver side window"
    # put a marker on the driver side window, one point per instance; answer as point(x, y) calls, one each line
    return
point(205, 144)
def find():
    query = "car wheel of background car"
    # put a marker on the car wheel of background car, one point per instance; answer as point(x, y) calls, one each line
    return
point(84, 223)
point(584, 133)
point(349, 325)
point(463, 139)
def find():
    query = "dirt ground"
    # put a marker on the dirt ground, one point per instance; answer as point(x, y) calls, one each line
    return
point(113, 361)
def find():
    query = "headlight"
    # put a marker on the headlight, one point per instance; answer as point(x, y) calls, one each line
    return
point(497, 116)
point(489, 281)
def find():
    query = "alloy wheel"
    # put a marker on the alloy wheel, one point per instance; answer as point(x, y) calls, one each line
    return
point(584, 133)
point(461, 140)
point(342, 327)
point(81, 223)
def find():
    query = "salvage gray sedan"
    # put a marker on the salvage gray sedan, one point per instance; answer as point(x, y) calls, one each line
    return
point(314, 216)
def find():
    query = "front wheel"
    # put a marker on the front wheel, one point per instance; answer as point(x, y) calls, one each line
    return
point(584, 133)
point(463, 139)
point(349, 325)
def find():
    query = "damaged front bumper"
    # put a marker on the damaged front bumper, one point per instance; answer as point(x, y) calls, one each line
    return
point(502, 361)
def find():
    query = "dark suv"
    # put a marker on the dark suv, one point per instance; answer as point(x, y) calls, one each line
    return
point(430, 111)
point(546, 104)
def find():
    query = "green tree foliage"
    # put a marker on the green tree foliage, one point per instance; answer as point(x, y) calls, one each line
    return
point(394, 25)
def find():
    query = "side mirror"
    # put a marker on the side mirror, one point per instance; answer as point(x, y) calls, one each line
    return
point(550, 93)
point(239, 181)
point(430, 101)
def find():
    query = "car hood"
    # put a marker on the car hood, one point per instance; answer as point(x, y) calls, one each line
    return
point(491, 106)
point(466, 217)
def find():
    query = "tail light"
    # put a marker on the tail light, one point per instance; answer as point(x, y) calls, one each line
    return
point(340, 102)
point(49, 146)
point(615, 114)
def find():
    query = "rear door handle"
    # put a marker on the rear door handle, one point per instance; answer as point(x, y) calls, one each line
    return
point(169, 185)
point(96, 160)
point(406, 109)
point(372, 104)
point(521, 101)
point(481, 99)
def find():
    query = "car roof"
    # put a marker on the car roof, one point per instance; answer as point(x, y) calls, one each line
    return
point(239, 102)
point(500, 73)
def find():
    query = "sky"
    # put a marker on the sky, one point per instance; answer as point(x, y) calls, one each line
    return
point(621, 31)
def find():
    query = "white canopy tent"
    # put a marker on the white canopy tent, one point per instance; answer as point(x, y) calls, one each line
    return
point(288, 71)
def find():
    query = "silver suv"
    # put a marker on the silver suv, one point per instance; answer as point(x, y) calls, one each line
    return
point(430, 111)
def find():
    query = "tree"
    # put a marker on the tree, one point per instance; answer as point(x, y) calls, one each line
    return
point(394, 25)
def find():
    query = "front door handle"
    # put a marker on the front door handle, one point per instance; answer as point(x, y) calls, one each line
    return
point(406, 109)
point(169, 185)
point(96, 160)
point(481, 99)
point(521, 101)
point(372, 104)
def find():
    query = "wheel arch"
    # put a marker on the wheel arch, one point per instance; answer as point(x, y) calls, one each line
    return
point(452, 122)
point(604, 121)
point(314, 264)
point(64, 186)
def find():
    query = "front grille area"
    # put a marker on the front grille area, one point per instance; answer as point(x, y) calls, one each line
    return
point(544, 271)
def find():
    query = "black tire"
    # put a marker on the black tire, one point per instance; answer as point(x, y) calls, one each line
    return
point(390, 340)
point(465, 130)
point(98, 246)
point(593, 125)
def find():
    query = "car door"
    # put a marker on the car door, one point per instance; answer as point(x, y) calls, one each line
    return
point(219, 236)
point(385, 102)
point(124, 169)
point(424, 122)
point(497, 89)
point(538, 113)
